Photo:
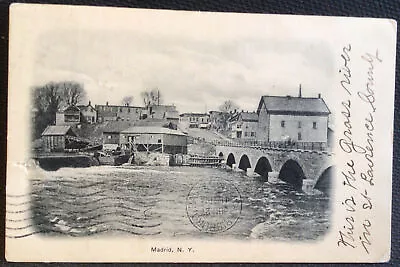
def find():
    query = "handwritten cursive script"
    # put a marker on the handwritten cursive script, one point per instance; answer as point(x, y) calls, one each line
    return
point(358, 175)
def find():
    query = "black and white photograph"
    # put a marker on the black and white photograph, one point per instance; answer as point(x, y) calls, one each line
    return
point(177, 126)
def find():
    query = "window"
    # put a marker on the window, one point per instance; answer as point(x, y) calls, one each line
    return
point(314, 125)
point(238, 126)
point(109, 137)
point(247, 126)
point(299, 124)
point(253, 134)
point(159, 141)
point(245, 133)
point(120, 109)
point(129, 110)
point(282, 123)
point(299, 136)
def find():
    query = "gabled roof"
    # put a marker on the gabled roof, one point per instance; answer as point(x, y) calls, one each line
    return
point(86, 107)
point(244, 116)
point(116, 126)
point(294, 105)
point(71, 108)
point(58, 130)
point(249, 116)
point(152, 130)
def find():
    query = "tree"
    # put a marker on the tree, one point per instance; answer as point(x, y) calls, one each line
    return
point(73, 92)
point(49, 98)
point(228, 106)
point(127, 100)
point(151, 97)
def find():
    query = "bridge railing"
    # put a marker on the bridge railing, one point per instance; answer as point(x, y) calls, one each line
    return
point(319, 146)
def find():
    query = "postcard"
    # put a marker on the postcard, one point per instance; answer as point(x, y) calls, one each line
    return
point(141, 135)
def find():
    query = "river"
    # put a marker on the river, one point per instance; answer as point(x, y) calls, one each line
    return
point(152, 201)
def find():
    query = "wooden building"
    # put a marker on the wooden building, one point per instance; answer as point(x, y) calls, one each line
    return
point(56, 138)
point(112, 131)
point(154, 138)
point(88, 113)
point(71, 115)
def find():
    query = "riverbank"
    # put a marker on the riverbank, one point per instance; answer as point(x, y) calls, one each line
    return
point(53, 162)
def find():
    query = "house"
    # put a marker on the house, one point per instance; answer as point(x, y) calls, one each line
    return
point(69, 116)
point(301, 119)
point(88, 113)
point(195, 120)
point(118, 113)
point(56, 138)
point(244, 125)
point(154, 139)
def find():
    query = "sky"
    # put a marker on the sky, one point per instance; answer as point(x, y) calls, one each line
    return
point(194, 73)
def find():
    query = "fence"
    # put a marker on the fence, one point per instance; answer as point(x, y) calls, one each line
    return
point(320, 146)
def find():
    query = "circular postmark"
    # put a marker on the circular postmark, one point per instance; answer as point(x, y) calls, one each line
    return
point(214, 206)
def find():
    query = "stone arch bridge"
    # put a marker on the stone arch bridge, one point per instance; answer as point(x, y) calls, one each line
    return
point(304, 169)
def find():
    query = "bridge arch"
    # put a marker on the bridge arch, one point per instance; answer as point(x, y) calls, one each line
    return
point(230, 160)
point(244, 163)
point(263, 167)
point(292, 173)
point(325, 180)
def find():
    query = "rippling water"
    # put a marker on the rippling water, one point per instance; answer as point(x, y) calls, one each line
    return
point(152, 201)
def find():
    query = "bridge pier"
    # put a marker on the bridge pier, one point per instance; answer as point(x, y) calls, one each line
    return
point(235, 167)
point(250, 172)
point(308, 186)
point(273, 177)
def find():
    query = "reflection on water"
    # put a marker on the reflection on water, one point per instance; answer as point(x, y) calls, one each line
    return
point(152, 201)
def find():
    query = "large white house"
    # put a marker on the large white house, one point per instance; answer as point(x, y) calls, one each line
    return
point(301, 119)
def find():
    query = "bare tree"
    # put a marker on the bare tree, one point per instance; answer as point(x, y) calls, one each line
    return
point(49, 98)
point(228, 106)
point(151, 97)
point(127, 100)
point(73, 92)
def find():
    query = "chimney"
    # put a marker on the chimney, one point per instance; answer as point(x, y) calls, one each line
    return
point(319, 95)
point(90, 103)
point(107, 103)
point(300, 90)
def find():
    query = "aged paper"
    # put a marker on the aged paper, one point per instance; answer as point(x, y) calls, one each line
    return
point(173, 136)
